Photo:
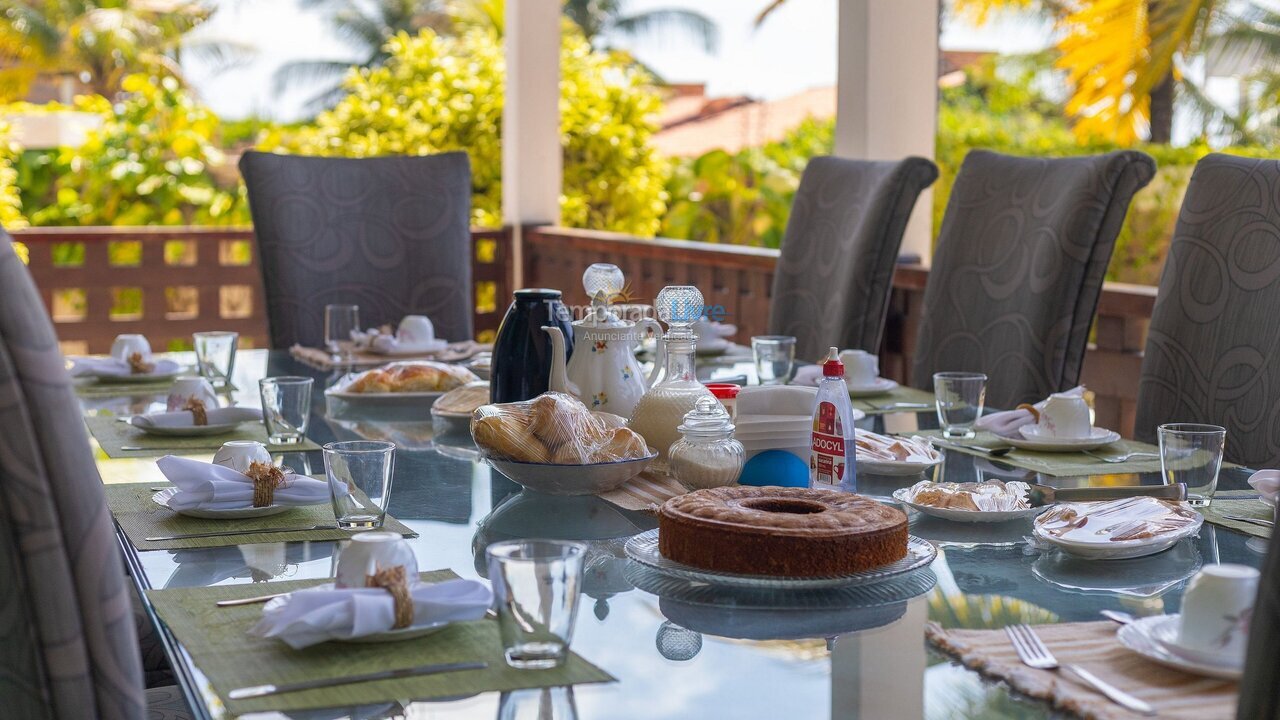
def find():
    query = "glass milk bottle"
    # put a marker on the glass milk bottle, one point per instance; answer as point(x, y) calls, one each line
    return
point(660, 412)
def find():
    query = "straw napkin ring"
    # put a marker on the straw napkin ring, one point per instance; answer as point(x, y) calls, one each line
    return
point(393, 580)
point(199, 415)
point(1035, 414)
point(266, 478)
point(139, 366)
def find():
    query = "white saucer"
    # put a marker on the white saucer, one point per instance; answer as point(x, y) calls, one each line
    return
point(434, 346)
point(897, 467)
point(970, 516)
point(409, 633)
point(162, 499)
point(1147, 637)
point(879, 386)
point(188, 430)
point(1105, 549)
point(1034, 438)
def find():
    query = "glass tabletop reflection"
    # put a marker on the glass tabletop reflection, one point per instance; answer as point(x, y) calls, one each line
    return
point(681, 649)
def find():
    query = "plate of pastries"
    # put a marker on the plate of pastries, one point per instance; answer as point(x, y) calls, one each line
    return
point(554, 444)
point(416, 382)
point(992, 501)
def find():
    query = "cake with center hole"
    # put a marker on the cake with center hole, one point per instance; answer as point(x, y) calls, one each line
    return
point(780, 531)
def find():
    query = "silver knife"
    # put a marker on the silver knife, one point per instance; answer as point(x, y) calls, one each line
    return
point(261, 690)
point(220, 533)
point(1041, 495)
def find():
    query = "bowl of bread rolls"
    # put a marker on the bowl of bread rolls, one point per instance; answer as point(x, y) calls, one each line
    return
point(554, 444)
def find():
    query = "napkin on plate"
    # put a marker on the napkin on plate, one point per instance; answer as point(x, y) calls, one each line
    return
point(1267, 483)
point(110, 367)
point(307, 617)
point(184, 418)
point(205, 486)
point(1007, 422)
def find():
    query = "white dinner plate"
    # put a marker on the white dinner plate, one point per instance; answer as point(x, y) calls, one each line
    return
point(1105, 549)
point(1146, 636)
point(188, 430)
point(1033, 438)
point(643, 548)
point(162, 499)
point(432, 347)
point(896, 468)
point(972, 516)
point(422, 400)
point(410, 633)
point(879, 386)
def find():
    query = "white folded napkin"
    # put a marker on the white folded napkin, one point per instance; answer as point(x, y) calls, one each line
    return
point(307, 617)
point(110, 367)
point(807, 375)
point(1267, 483)
point(184, 418)
point(205, 486)
point(1007, 422)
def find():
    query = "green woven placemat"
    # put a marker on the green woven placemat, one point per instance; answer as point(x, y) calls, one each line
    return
point(140, 519)
point(1242, 503)
point(217, 641)
point(900, 394)
point(1059, 464)
point(114, 435)
point(90, 388)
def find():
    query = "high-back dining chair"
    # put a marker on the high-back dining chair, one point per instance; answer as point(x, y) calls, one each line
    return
point(1019, 266)
point(70, 648)
point(390, 234)
point(1259, 699)
point(833, 280)
point(1212, 345)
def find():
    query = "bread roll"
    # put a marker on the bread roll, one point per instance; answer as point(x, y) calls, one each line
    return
point(507, 437)
point(620, 444)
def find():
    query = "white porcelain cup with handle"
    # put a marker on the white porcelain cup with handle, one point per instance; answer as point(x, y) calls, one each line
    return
point(240, 454)
point(1065, 416)
point(369, 552)
point(1216, 609)
point(127, 344)
point(191, 386)
point(416, 330)
point(860, 367)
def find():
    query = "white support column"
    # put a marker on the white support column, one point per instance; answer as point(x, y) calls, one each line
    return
point(880, 673)
point(887, 91)
point(531, 153)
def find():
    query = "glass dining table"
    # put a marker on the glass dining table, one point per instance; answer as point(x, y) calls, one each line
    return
point(681, 649)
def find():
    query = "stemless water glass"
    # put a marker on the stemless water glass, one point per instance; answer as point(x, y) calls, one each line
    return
point(286, 407)
point(359, 473)
point(959, 397)
point(216, 356)
point(1192, 453)
point(775, 355)
point(339, 322)
point(536, 584)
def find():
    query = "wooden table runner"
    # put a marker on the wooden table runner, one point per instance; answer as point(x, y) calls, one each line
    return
point(217, 641)
point(113, 435)
point(1092, 645)
point(646, 492)
point(141, 518)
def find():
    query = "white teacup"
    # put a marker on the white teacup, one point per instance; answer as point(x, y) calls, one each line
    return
point(1065, 416)
point(369, 552)
point(128, 344)
point(240, 454)
point(860, 367)
point(416, 330)
point(1216, 608)
point(191, 386)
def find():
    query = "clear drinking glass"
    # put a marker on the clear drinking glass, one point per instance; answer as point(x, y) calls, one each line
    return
point(775, 355)
point(359, 474)
point(339, 322)
point(216, 356)
point(286, 407)
point(536, 584)
point(1192, 453)
point(959, 397)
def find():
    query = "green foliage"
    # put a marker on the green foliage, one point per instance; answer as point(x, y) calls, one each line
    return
point(11, 217)
point(437, 94)
point(148, 164)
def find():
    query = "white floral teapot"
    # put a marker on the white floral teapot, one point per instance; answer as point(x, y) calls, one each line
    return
point(603, 371)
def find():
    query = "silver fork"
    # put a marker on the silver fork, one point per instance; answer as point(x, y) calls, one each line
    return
point(1033, 653)
point(1122, 458)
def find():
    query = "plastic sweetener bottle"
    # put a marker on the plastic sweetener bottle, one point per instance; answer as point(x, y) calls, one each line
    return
point(832, 452)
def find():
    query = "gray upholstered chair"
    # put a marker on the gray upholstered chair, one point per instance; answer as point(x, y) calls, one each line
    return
point(1259, 699)
point(70, 645)
point(1213, 339)
point(1018, 269)
point(836, 271)
point(390, 234)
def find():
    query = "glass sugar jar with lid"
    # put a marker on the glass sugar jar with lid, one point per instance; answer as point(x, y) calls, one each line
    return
point(707, 455)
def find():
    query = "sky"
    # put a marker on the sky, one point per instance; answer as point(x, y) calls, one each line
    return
point(794, 50)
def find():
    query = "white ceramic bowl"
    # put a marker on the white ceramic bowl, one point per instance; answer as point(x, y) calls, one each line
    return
point(556, 479)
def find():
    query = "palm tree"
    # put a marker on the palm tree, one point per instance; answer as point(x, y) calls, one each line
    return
point(365, 27)
point(599, 18)
point(99, 42)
